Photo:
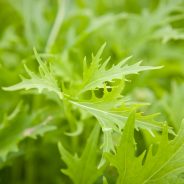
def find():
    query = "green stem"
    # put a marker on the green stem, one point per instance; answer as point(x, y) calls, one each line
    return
point(30, 166)
point(72, 124)
point(16, 171)
point(56, 27)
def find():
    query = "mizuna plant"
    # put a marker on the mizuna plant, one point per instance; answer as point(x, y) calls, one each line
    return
point(100, 118)
point(112, 110)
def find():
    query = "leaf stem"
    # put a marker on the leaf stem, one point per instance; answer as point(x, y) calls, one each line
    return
point(56, 26)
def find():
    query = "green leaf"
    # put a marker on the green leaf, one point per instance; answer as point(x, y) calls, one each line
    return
point(168, 33)
point(97, 73)
point(171, 104)
point(149, 167)
point(45, 79)
point(83, 170)
point(125, 151)
point(112, 111)
point(97, 23)
point(18, 125)
point(105, 180)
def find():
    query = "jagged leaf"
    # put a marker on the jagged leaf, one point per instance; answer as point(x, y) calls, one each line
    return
point(83, 170)
point(150, 166)
point(45, 79)
point(112, 111)
point(171, 105)
point(97, 73)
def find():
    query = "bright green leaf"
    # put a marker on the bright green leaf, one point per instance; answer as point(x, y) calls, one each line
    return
point(83, 170)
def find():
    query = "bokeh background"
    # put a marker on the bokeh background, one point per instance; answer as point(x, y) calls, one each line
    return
point(64, 32)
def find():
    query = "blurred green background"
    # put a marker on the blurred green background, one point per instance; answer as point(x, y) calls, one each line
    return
point(64, 32)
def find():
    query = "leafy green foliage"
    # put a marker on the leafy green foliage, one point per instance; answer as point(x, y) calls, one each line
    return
point(43, 81)
point(96, 74)
point(84, 169)
point(112, 112)
point(171, 105)
point(65, 91)
point(26, 128)
point(150, 166)
point(111, 115)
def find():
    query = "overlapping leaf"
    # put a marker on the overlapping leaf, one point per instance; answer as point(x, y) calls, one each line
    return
point(112, 110)
point(97, 73)
point(171, 105)
point(83, 170)
point(150, 166)
point(17, 126)
point(45, 80)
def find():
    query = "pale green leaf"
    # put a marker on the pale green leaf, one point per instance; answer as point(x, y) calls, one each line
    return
point(97, 73)
point(83, 170)
point(112, 111)
point(149, 167)
point(171, 105)
point(17, 125)
point(45, 79)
